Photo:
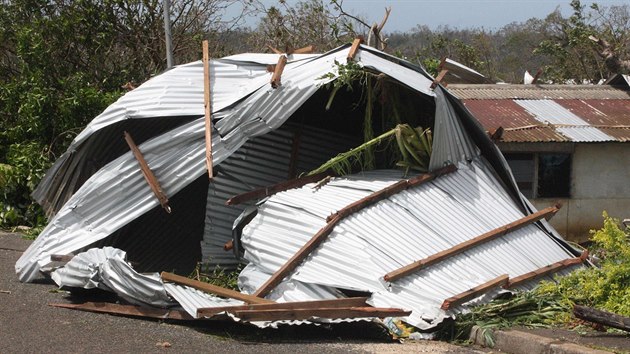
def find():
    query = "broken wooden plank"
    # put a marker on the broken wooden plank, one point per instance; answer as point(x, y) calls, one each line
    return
point(275, 50)
point(332, 303)
point(602, 317)
point(207, 108)
point(466, 245)
point(277, 73)
point(297, 258)
point(439, 78)
point(304, 50)
point(354, 48)
point(333, 220)
point(540, 272)
point(305, 314)
point(276, 188)
point(148, 174)
point(391, 190)
point(474, 292)
point(213, 289)
point(128, 310)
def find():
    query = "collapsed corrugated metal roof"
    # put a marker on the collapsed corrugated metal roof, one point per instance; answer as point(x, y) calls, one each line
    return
point(110, 203)
point(550, 113)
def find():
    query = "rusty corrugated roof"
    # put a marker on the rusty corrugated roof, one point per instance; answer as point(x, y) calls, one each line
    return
point(550, 113)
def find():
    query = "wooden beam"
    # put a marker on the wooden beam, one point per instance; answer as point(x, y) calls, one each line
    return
point(304, 50)
point(354, 48)
point(602, 317)
point(439, 78)
point(148, 174)
point(128, 310)
point(296, 259)
point(474, 292)
point(277, 73)
point(213, 289)
point(273, 49)
point(333, 303)
point(334, 219)
point(389, 191)
point(207, 108)
point(304, 314)
point(540, 272)
point(466, 245)
point(276, 188)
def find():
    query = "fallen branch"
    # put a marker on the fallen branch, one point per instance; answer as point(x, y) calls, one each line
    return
point(602, 317)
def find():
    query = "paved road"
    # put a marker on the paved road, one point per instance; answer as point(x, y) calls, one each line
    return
point(29, 325)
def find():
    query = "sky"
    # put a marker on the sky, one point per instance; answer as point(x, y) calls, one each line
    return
point(488, 14)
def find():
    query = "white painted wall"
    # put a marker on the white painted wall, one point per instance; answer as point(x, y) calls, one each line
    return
point(600, 180)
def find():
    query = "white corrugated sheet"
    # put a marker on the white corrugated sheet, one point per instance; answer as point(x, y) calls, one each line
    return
point(578, 130)
point(408, 226)
point(107, 269)
point(117, 193)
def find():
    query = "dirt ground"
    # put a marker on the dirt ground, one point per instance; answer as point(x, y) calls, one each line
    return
point(29, 325)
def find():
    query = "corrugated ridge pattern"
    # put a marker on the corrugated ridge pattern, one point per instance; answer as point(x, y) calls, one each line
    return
point(410, 225)
point(261, 162)
point(549, 111)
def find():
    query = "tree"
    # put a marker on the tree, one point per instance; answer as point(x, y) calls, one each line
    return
point(63, 61)
point(573, 56)
point(308, 22)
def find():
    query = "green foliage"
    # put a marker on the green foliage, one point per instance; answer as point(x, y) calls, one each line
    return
point(551, 303)
point(414, 151)
point(25, 166)
point(63, 62)
point(216, 275)
point(606, 287)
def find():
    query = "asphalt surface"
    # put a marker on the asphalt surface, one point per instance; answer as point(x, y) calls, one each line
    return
point(29, 325)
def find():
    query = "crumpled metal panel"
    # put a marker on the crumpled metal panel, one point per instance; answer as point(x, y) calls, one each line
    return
point(82, 271)
point(451, 143)
point(107, 269)
point(406, 227)
point(567, 123)
point(117, 193)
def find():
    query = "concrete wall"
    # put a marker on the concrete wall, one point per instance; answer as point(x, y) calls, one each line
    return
point(600, 180)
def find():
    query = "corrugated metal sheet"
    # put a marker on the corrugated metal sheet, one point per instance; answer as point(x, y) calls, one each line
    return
point(451, 142)
point(261, 162)
point(192, 299)
point(554, 120)
point(118, 194)
point(565, 122)
point(610, 116)
point(537, 92)
point(107, 269)
point(519, 124)
point(404, 228)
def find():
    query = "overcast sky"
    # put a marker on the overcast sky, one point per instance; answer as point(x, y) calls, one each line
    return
point(489, 14)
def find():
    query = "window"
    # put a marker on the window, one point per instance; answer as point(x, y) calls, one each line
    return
point(542, 175)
